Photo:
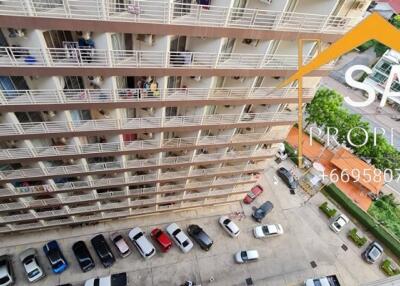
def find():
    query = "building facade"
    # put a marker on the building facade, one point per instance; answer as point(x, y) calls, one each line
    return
point(112, 109)
point(380, 75)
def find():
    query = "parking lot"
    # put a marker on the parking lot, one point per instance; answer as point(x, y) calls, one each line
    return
point(284, 260)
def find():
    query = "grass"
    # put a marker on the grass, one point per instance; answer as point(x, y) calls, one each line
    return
point(358, 240)
point(387, 212)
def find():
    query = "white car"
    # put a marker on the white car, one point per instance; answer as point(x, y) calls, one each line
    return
point(145, 247)
point(246, 256)
point(179, 237)
point(230, 227)
point(6, 271)
point(31, 265)
point(119, 241)
point(339, 222)
point(267, 230)
point(118, 279)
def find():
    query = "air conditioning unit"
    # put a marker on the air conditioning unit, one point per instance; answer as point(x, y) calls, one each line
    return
point(250, 42)
point(16, 33)
point(266, 1)
point(239, 78)
point(95, 80)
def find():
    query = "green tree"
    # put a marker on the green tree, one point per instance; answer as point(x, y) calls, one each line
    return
point(380, 49)
point(324, 107)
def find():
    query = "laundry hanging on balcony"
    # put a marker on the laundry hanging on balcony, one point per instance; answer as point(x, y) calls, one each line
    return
point(204, 3)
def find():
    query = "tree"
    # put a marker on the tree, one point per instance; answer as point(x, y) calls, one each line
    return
point(380, 49)
point(324, 107)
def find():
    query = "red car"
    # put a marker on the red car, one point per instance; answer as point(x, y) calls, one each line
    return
point(162, 239)
point(253, 194)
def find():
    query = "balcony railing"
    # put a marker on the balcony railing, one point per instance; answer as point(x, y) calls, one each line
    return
point(166, 12)
point(130, 164)
point(126, 146)
point(90, 58)
point(49, 127)
point(79, 96)
point(101, 183)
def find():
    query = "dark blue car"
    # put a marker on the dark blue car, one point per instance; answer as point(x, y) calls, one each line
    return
point(54, 255)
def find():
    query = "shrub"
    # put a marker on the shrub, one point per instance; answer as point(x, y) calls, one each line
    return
point(388, 268)
point(326, 210)
point(291, 153)
point(358, 240)
point(366, 46)
point(367, 221)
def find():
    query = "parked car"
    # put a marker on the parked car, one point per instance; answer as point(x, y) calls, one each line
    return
point(200, 236)
point(118, 279)
point(229, 226)
point(262, 211)
point(373, 252)
point(162, 239)
point(56, 258)
point(339, 222)
point(179, 237)
point(6, 271)
point(287, 178)
point(103, 250)
point(330, 280)
point(33, 270)
point(142, 244)
point(246, 256)
point(82, 254)
point(120, 243)
point(253, 194)
point(268, 230)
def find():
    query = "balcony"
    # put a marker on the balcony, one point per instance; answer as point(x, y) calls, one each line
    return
point(179, 14)
point(129, 165)
point(35, 129)
point(134, 180)
point(30, 57)
point(66, 99)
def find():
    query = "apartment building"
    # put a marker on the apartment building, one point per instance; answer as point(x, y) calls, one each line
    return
point(119, 108)
point(380, 75)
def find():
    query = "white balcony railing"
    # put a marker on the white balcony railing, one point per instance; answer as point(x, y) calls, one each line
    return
point(100, 183)
point(49, 127)
point(129, 164)
point(90, 58)
point(166, 12)
point(49, 96)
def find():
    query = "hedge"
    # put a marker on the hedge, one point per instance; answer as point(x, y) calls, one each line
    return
point(365, 219)
point(330, 213)
point(291, 153)
point(389, 270)
point(358, 240)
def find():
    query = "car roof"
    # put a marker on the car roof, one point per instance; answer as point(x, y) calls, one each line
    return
point(252, 254)
point(267, 205)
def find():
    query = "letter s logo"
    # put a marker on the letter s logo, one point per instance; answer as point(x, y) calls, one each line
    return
point(356, 84)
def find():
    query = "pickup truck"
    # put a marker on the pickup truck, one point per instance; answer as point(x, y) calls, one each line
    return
point(330, 280)
point(119, 279)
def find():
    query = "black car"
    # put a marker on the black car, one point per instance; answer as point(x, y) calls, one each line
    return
point(83, 256)
point(199, 235)
point(262, 211)
point(287, 177)
point(103, 250)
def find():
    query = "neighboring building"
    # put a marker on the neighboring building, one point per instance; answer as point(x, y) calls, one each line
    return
point(162, 106)
point(380, 74)
point(387, 8)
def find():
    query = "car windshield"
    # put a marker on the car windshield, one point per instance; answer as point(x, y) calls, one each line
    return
point(185, 243)
point(266, 229)
point(226, 221)
point(251, 195)
point(28, 259)
point(374, 253)
point(243, 254)
point(58, 264)
point(137, 236)
point(317, 282)
point(176, 232)
point(4, 280)
point(150, 253)
point(117, 238)
point(54, 256)
point(33, 273)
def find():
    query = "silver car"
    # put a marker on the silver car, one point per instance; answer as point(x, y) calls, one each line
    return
point(31, 265)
